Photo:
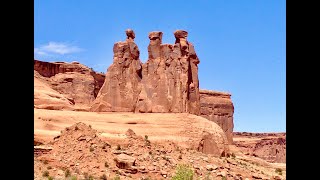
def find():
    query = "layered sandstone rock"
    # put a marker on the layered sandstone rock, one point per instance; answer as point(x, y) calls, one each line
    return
point(167, 82)
point(47, 98)
point(74, 81)
point(170, 76)
point(122, 83)
point(218, 107)
point(268, 146)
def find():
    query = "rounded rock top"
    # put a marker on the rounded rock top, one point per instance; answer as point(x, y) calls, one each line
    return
point(180, 34)
point(155, 34)
point(130, 33)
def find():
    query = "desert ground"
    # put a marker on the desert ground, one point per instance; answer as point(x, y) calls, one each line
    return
point(171, 137)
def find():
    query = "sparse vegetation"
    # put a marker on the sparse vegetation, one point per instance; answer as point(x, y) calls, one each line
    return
point(233, 155)
point(45, 174)
point(88, 177)
point(106, 164)
point(223, 178)
point(67, 173)
point(208, 177)
point(279, 171)
point(45, 162)
point(74, 178)
point(49, 167)
point(183, 172)
point(91, 149)
point(147, 140)
point(116, 178)
point(50, 178)
point(180, 156)
point(103, 177)
point(118, 147)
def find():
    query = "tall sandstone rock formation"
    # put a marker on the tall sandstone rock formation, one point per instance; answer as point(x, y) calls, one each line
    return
point(218, 107)
point(167, 82)
point(170, 76)
point(122, 83)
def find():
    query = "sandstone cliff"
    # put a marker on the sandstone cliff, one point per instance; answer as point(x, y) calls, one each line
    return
point(218, 107)
point(170, 76)
point(74, 81)
point(121, 87)
point(167, 82)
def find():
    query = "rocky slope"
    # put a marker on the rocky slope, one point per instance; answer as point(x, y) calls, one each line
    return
point(268, 146)
point(80, 151)
point(188, 130)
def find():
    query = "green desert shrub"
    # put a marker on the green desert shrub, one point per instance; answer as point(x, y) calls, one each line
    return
point(183, 172)
point(45, 174)
point(67, 173)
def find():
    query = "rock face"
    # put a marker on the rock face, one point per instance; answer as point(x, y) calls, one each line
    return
point(47, 98)
point(122, 83)
point(124, 161)
point(167, 82)
point(170, 76)
point(74, 81)
point(268, 146)
point(218, 107)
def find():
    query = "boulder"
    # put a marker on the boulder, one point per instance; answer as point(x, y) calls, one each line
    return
point(124, 161)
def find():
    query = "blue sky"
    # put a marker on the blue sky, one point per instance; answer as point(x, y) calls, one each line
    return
point(241, 45)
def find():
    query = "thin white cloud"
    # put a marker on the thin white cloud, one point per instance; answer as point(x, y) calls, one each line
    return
point(57, 48)
point(37, 51)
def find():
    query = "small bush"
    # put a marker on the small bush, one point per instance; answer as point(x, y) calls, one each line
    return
point(233, 155)
point(67, 173)
point(76, 128)
point(279, 171)
point(49, 167)
point(183, 172)
point(223, 178)
point(116, 178)
point(106, 164)
point(50, 178)
point(45, 162)
point(180, 156)
point(91, 149)
point(88, 177)
point(45, 174)
point(74, 178)
point(147, 140)
point(118, 147)
point(103, 177)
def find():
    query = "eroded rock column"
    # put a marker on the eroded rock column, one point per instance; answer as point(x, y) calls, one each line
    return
point(170, 76)
point(122, 83)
